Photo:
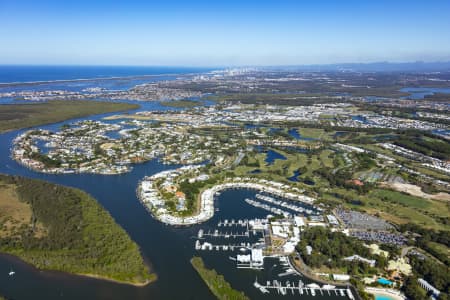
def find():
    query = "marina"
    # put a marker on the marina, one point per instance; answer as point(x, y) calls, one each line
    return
point(252, 247)
point(232, 222)
point(300, 288)
point(268, 208)
point(245, 224)
point(226, 235)
point(151, 198)
point(285, 204)
point(223, 247)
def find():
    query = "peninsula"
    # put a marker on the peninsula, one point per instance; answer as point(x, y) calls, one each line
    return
point(18, 116)
point(59, 228)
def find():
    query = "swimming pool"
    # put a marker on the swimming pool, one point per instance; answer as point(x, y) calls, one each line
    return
point(384, 281)
point(383, 297)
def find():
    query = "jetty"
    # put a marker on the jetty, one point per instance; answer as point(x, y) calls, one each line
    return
point(232, 222)
point(268, 207)
point(285, 204)
point(223, 247)
point(300, 288)
point(253, 260)
point(218, 234)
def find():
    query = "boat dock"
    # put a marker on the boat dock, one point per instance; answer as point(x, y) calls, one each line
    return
point(267, 207)
point(287, 273)
point(216, 233)
point(286, 204)
point(299, 287)
point(223, 247)
point(232, 222)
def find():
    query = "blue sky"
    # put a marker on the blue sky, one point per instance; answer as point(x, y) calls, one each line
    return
point(222, 33)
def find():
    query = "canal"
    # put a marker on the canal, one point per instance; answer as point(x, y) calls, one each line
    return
point(168, 249)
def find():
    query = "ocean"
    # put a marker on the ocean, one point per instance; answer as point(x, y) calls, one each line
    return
point(24, 73)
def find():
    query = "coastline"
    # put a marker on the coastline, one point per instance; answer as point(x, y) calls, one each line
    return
point(28, 83)
point(105, 278)
point(393, 294)
point(121, 259)
point(317, 279)
point(17, 259)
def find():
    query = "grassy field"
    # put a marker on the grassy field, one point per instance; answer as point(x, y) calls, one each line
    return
point(413, 165)
point(216, 283)
point(281, 170)
point(325, 157)
point(428, 171)
point(440, 248)
point(79, 236)
point(400, 198)
point(17, 116)
point(315, 133)
point(396, 207)
point(13, 213)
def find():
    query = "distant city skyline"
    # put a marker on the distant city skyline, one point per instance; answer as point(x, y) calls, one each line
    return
point(222, 33)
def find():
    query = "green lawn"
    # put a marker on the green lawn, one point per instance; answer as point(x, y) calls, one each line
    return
point(398, 197)
point(399, 209)
point(440, 248)
point(394, 206)
point(325, 157)
point(315, 133)
point(280, 170)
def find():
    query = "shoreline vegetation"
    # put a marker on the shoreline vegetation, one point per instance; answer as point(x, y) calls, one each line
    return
point(216, 282)
point(299, 265)
point(16, 258)
point(18, 116)
point(137, 284)
point(64, 229)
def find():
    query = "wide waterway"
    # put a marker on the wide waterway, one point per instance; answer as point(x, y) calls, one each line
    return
point(167, 248)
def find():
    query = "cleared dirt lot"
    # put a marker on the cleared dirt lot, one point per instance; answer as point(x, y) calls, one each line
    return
point(415, 190)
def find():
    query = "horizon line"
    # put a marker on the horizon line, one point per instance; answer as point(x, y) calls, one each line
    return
point(226, 66)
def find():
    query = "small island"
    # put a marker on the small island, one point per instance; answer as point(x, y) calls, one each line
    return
point(59, 228)
point(216, 283)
